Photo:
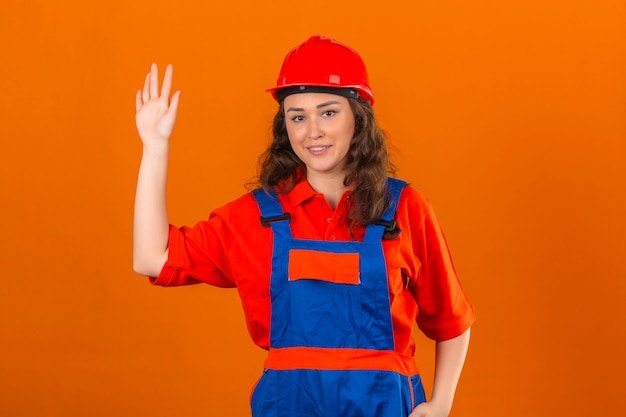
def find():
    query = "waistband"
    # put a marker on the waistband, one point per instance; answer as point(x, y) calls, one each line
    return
point(339, 359)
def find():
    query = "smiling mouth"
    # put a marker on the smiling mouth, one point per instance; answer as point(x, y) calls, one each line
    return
point(318, 148)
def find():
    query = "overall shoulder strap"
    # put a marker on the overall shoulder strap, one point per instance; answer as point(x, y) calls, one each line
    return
point(395, 189)
point(374, 232)
point(272, 214)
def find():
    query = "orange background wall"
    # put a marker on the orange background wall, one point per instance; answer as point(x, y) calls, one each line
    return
point(509, 115)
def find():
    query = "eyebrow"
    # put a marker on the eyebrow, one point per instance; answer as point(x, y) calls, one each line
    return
point(319, 106)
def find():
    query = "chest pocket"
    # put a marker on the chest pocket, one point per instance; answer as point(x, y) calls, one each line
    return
point(338, 268)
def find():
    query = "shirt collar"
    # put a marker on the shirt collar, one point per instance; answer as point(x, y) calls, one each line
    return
point(301, 192)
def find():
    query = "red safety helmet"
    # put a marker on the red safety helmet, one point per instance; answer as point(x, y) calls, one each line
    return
point(323, 62)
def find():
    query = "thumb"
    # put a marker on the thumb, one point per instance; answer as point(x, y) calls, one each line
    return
point(420, 410)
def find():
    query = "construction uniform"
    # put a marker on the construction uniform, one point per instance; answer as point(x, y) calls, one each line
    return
point(334, 308)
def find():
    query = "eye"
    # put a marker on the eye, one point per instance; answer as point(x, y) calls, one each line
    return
point(329, 113)
point(297, 118)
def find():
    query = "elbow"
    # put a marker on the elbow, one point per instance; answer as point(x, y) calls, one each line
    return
point(145, 268)
point(149, 264)
point(140, 268)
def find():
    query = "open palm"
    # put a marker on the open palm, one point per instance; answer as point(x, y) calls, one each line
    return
point(156, 114)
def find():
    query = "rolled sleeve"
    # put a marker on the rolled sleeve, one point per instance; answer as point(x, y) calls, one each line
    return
point(444, 310)
point(190, 254)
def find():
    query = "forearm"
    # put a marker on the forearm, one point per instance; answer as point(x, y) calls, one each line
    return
point(450, 357)
point(150, 233)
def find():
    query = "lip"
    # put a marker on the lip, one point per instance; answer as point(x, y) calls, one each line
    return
point(318, 149)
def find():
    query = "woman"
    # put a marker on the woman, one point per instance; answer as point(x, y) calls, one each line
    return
point(333, 260)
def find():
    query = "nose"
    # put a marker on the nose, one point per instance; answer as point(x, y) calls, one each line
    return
point(314, 130)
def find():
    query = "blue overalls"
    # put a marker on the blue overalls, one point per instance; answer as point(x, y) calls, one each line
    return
point(331, 338)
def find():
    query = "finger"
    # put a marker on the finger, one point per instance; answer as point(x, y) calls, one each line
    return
point(174, 103)
point(138, 101)
point(154, 81)
point(146, 89)
point(167, 82)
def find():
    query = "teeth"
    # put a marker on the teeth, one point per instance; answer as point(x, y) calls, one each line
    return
point(318, 148)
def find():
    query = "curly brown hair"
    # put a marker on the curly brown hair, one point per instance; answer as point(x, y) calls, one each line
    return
point(367, 164)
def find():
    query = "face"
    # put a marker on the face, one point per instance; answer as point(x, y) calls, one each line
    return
point(320, 129)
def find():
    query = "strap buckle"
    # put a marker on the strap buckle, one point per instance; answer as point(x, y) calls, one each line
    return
point(265, 221)
point(390, 226)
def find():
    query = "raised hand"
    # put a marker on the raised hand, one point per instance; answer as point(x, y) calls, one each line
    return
point(156, 114)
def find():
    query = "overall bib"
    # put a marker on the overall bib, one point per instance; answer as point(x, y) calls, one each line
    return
point(331, 337)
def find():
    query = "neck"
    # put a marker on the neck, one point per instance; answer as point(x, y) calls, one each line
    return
point(331, 186)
